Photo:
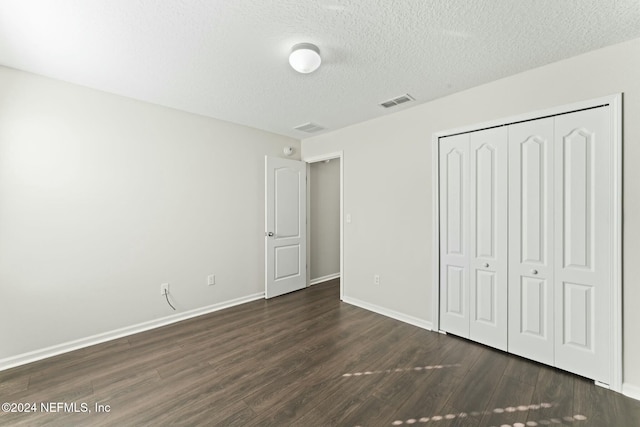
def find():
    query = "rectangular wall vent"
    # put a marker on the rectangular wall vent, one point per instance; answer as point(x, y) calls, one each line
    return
point(309, 127)
point(397, 101)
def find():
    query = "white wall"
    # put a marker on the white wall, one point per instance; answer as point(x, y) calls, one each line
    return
point(387, 179)
point(102, 198)
point(324, 218)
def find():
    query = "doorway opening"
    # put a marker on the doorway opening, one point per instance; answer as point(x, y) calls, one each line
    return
point(325, 242)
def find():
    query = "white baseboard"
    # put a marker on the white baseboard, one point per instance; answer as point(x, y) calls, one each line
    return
point(424, 324)
point(33, 356)
point(632, 391)
point(323, 279)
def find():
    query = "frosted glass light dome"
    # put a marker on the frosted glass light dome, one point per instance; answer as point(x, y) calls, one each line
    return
point(305, 58)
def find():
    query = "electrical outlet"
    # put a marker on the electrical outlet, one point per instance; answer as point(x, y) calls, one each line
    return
point(211, 279)
point(376, 279)
point(164, 289)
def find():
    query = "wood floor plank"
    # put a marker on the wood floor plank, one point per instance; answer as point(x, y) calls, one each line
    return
point(372, 412)
point(523, 370)
point(346, 393)
point(14, 384)
point(79, 390)
point(317, 358)
point(480, 382)
point(305, 359)
point(96, 366)
point(596, 406)
point(554, 392)
point(319, 384)
point(508, 403)
point(416, 362)
point(424, 396)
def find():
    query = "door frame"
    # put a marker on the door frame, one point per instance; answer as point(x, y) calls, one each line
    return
point(615, 102)
point(321, 158)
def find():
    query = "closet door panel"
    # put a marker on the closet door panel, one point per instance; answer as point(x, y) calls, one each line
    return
point(454, 234)
point(531, 314)
point(583, 224)
point(488, 237)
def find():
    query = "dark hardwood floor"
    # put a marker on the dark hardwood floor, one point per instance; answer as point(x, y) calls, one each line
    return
point(305, 359)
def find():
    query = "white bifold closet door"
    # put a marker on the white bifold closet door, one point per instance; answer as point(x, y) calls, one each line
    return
point(473, 236)
point(454, 234)
point(525, 235)
point(559, 235)
point(488, 237)
point(531, 243)
point(583, 234)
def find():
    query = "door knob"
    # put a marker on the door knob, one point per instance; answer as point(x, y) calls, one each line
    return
point(534, 271)
point(270, 234)
point(486, 264)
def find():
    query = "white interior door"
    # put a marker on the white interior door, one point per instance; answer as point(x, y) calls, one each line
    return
point(531, 279)
point(488, 237)
point(583, 242)
point(285, 226)
point(454, 234)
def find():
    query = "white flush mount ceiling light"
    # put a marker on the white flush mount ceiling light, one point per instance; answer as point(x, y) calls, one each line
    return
point(305, 58)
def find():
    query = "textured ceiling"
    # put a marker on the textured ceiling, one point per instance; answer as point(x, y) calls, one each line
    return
point(228, 58)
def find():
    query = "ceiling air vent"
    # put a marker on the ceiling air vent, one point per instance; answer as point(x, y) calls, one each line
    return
point(309, 127)
point(397, 101)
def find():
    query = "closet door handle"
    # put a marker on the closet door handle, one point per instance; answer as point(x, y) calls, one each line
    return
point(486, 265)
point(534, 271)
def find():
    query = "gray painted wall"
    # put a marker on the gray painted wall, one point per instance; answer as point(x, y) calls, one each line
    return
point(103, 198)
